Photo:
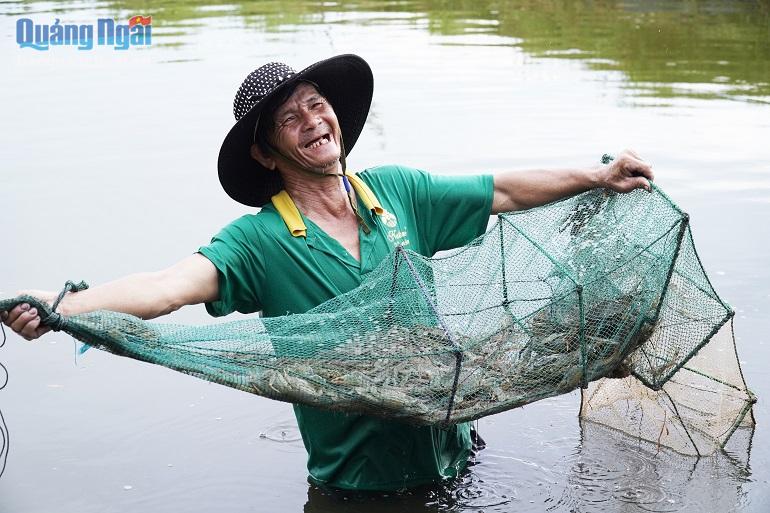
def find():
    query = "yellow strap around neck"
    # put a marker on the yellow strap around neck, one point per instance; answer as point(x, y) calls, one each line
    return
point(290, 214)
point(365, 193)
point(293, 219)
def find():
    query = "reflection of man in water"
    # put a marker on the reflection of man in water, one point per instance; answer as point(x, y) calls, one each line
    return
point(319, 231)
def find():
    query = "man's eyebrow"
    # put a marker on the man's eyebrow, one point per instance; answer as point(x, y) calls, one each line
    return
point(283, 110)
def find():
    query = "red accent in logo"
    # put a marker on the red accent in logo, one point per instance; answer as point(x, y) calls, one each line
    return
point(139, 20)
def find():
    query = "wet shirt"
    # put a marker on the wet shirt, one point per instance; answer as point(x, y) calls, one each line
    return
point(262, 266)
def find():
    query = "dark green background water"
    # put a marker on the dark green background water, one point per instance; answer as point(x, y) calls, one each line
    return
point(109, 167)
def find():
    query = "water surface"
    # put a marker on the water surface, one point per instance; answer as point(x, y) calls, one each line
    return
point(109, 168)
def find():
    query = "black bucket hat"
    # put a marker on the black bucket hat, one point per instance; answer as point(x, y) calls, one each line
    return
point(345, 80)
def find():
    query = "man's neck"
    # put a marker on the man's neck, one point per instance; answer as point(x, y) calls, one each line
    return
point(323, 199)
point(318, 195)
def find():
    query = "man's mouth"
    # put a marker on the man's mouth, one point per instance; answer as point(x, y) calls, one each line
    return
point(315, 143)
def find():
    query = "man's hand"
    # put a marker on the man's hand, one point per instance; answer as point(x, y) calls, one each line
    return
point(25, 319)
point(624, 174)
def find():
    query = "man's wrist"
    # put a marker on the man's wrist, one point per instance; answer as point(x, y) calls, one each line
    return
point(68, 304)
point(595, 176)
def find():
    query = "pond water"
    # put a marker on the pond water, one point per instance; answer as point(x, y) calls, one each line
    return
point(109, 167)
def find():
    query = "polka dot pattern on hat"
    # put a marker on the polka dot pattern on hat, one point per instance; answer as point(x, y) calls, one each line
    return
point(346, 81)
point(260, 82)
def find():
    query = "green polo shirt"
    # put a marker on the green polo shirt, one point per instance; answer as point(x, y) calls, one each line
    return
point(263, 267)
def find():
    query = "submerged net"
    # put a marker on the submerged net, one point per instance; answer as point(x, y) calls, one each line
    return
point(695, 412)
point(548, 300)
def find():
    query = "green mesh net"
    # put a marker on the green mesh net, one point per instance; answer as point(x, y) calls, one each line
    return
point(548, 300)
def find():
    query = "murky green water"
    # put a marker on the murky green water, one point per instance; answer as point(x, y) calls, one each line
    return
point(109, 167)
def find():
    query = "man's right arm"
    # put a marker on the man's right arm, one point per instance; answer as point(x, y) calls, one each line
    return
point(191, 281)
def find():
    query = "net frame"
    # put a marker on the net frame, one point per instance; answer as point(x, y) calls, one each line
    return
point(548, 300)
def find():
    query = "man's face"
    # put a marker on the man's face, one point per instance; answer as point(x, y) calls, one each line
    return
point(306, 130)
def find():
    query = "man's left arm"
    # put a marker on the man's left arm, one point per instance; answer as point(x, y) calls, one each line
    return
point(520, 190)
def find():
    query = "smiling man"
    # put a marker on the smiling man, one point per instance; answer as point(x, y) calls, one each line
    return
point(319, 230)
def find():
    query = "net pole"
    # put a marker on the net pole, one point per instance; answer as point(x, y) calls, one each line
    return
point(681, 422)
point(751, 398)
point(502, 266)
point(685, 218)
point(457, 350)
point(583, 341)
point(506, 299)
point(679, 238)
point(393, 285)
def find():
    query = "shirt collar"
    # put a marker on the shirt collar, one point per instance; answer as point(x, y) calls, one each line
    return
point(293, 219)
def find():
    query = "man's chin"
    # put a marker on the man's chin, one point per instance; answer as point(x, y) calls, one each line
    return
point(328, 168)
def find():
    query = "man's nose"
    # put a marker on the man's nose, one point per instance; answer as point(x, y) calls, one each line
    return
point(310, 120)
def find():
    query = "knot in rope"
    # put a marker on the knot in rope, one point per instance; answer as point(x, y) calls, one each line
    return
point(55, 320)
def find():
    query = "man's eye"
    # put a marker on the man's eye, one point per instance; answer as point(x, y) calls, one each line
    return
point(317, 105)
point(287, 120)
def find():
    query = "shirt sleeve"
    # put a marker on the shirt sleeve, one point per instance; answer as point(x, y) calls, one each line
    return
point(236, 253)
point(450, 211)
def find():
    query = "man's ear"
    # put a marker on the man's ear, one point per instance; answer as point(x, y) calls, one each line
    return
point(262, 157)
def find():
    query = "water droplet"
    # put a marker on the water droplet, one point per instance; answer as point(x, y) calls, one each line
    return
point(127, 487)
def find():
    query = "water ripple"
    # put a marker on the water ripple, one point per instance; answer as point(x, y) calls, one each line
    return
point(628, 476)
point(282, 432)
point(482, 488)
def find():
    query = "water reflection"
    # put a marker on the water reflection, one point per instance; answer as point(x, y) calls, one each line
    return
point(529, 108)
point(469, 492)
point(607, 471)
point(483, 486)
point(702, 49)
point(610, 468)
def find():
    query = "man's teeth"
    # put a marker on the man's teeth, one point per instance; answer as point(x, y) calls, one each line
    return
point(319, 142)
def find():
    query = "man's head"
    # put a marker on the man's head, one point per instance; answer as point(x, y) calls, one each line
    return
point(298, 131)
point(301, 133)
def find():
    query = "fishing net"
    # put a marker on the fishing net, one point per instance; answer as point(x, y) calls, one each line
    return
point(548, 300)
point(696, 411)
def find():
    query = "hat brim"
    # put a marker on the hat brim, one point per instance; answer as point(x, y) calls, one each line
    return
point(348, 84)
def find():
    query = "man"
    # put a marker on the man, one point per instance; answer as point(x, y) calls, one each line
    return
point(319, 231)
